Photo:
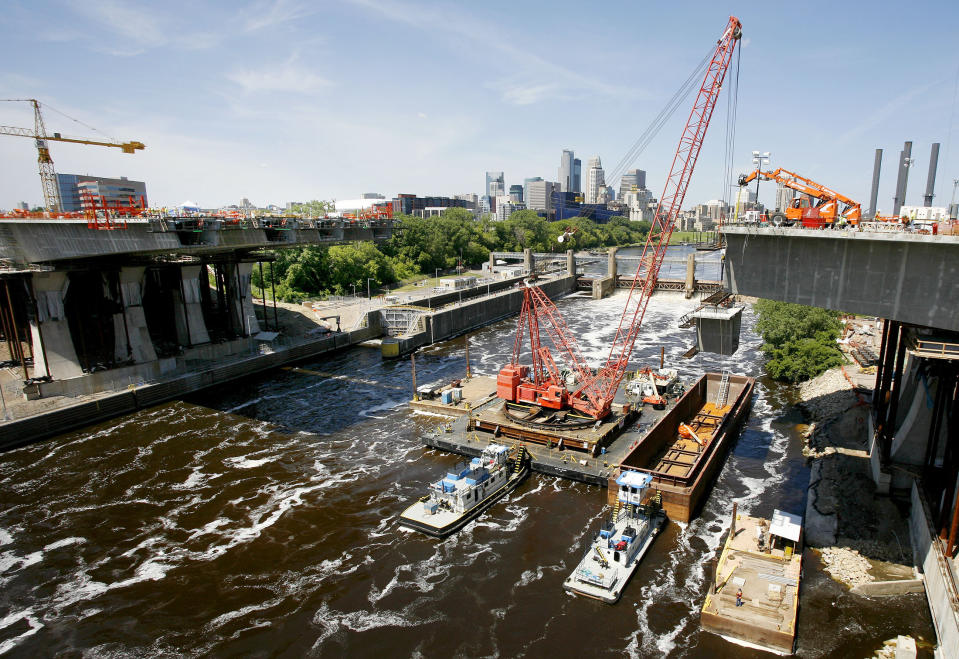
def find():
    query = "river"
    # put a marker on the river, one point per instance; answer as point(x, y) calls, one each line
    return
point(258, 519)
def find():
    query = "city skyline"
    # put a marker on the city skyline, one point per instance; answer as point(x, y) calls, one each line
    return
point(283, 100)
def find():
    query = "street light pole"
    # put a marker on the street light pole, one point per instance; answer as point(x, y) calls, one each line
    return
point(758, 159)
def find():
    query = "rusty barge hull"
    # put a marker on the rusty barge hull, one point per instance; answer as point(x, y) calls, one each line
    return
point(683, 470)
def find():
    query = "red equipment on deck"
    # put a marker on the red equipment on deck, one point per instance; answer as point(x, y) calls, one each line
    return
point(594, 392)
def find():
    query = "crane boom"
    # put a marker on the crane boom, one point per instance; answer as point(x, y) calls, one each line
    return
point(602, 388)
point(48, 175)
point(828, 198)
point(595, 392)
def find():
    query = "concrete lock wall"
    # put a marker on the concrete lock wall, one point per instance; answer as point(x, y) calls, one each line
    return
point(446, 323)
point(912, 278)
point(938, 577)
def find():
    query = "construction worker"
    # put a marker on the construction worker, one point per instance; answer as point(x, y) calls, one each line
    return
point(739, 597)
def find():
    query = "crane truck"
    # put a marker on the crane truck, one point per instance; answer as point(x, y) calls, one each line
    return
point(817, 206)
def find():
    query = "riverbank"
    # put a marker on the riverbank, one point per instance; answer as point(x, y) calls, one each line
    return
point(862, 538)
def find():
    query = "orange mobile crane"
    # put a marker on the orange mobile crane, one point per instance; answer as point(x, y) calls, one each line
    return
point(816, 207)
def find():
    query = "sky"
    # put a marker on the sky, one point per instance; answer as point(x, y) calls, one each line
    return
point(286, 100)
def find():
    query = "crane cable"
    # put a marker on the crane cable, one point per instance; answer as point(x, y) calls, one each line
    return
point(657, 123)
point(47, 106)
point(732, 108)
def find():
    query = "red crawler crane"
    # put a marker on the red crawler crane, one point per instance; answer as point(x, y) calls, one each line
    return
point(594, 392)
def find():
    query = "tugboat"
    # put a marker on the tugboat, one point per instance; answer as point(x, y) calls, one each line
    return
point(467, 491)
point(622, 541)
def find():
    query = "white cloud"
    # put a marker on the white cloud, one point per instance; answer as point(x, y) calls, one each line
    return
point(525, 94)
point(270, 13)
point(463, 26)
point(289, 77)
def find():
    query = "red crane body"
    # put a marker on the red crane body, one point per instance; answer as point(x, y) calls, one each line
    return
point(594, 392)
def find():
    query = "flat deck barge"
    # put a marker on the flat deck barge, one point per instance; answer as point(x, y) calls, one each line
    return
point(685, 450)
point(754, 597)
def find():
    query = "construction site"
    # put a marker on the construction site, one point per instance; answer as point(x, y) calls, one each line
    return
point(118, 307)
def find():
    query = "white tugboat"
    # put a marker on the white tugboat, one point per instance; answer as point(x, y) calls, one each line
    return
point(467, 491)
point(619, 546)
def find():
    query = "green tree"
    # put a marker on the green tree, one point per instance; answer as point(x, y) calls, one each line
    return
point(314, 208)
point(799, 341)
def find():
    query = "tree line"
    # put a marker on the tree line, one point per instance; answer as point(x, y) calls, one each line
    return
point(421, 246)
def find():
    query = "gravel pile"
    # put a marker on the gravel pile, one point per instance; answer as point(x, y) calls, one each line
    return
point(827, 396)
point(846, 565)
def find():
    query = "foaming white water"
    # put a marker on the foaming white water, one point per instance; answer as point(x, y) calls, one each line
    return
point(243, 462)
point(25, 615)
point(331, 621)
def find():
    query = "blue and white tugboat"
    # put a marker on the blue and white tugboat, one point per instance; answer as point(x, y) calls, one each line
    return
point(619, 546)
point(467, 490)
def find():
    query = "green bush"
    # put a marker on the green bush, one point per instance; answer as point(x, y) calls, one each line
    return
point(799, 341)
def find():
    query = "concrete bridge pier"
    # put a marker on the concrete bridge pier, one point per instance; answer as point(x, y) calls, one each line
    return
point(188, 314)
point(131, 335)
point(527, 261)
point(238, 276)
point(611, 267)
point(690, 275)
point(570, 262)
point(54, 353)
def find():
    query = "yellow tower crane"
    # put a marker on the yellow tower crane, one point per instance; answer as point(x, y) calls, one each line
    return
point(48, 176)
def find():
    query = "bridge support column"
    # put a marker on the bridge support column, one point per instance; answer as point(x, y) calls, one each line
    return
point(528, 260)
point(570, 262)
point(690, 275)
point(241, 301)
point(611, 266)
point(131, 335)
point(492, 264)
point(190, 326)
point(53, 353)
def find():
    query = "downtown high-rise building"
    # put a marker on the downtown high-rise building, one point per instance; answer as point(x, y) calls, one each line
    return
point(595, 180)
point(784, 197)
point(632, 181)
point(539, 195)
point(570, 172)
point(495, 184)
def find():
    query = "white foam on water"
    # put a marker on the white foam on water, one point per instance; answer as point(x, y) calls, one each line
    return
point(66, 542)
point(382, 407)
point(25, 615)
point(332, 622)
point(243, 462)
point(10, 562)
point(5, 537)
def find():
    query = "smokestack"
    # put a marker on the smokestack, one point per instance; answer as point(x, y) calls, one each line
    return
point(905, 157)
point(931, 178)
point(874, 196)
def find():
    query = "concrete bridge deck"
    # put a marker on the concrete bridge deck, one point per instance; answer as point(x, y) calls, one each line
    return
point(38, 241)
point(911, 278)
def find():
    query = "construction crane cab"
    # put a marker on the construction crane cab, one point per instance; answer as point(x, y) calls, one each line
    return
point(816, 206)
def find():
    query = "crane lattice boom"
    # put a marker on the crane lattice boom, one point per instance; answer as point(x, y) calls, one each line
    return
point(595, 392)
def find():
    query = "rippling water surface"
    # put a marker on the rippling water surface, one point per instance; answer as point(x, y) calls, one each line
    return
point(258, 519)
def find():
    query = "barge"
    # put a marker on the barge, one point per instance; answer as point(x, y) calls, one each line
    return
point(754, 597)
point(467, 491)
point(685, 450)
